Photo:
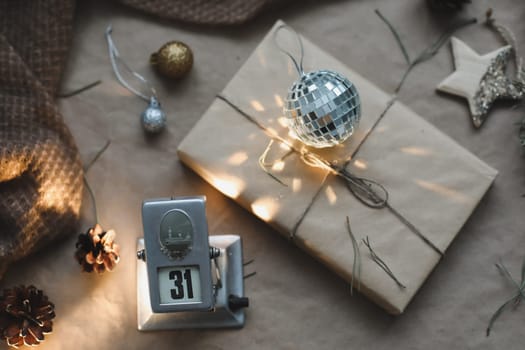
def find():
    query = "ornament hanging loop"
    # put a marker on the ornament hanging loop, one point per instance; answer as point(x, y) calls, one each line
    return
point(116, 60)
point(153, 118)
point(298, 65)
point(510, 39)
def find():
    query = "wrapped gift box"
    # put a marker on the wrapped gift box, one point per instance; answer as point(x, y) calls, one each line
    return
point(433, 183)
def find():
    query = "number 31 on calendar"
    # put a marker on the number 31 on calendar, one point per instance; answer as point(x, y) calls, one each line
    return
point(179, 285)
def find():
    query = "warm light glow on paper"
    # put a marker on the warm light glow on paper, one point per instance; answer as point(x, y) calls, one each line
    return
point(443, 191)
point(330, 194)
point(257, 106)
point(278, 166)
point(282, 121)
point(284, 146)
point(360, 164)
point(292, 134)
point(272, 131)
point(278, 101)
point(265, 208)
point(238, 158)
point(231, 187)
point(297, 184)
point(416, 151)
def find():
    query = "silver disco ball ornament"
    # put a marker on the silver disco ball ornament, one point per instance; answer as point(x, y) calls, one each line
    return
point(322, 108)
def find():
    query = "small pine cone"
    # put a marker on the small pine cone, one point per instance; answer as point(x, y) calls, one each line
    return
point(96, 250)
point(26, 315)
point(447, 5)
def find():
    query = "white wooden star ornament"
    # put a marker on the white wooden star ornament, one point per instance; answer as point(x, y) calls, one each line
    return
point(481, 79)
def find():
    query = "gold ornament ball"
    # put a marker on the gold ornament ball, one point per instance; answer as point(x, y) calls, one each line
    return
point(174, 59)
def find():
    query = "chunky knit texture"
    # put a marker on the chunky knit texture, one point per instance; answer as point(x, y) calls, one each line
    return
point(40, 169)
point(203, 11)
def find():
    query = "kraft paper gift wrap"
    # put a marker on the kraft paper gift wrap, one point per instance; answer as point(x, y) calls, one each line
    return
point(433, 183)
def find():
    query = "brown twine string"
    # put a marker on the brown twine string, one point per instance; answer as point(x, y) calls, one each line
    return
point(79, 90)
point(515, 300)
point(368, 192)
point(381, 263)
point(357, 185)
point(86, 182)
point(251, 274)
point(509, 38)
point(356, 266)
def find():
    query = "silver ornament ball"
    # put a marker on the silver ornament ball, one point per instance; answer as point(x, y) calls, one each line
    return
point(153, 118)
point(322, 108)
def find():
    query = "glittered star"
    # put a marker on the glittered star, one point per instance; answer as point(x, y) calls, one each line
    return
point(481, 79)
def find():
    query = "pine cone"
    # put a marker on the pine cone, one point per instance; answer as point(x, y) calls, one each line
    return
point(26, 315)
point(447, 5)
point(96, 250)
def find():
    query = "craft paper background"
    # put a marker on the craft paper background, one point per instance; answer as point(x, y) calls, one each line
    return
point(295, 301)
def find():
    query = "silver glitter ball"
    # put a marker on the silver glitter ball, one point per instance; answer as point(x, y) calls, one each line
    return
point(322, 108)
point(153, 118)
